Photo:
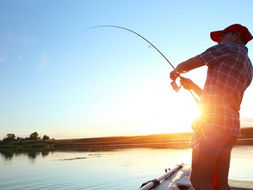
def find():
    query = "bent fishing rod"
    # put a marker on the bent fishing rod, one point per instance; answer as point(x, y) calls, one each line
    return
point(173, 83)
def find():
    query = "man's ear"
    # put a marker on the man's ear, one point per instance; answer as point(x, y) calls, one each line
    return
point(237, 37)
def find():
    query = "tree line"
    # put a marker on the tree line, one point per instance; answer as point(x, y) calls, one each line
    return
point(10, 137)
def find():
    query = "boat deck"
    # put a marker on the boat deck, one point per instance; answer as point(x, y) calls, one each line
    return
point(241, 185)
point(172, 183)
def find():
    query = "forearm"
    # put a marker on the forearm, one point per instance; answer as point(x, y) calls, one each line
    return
point(190, 85)
point(190, 64)
point(196, 89)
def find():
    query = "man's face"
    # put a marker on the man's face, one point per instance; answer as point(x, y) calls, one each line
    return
point(229, 37)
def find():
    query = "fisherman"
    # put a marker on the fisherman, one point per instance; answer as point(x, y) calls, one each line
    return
point(216, 130)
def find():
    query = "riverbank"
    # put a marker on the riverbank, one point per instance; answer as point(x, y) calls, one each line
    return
point(176, 140)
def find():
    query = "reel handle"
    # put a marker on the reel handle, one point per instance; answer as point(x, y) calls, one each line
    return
point(175, 86)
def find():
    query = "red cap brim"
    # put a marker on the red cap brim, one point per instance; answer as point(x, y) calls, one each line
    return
point(244, 32)
point(215, 36)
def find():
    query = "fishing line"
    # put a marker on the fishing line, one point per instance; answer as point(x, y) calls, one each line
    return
point(129, 30)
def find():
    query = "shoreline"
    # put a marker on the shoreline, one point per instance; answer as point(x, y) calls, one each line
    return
point(176, 140)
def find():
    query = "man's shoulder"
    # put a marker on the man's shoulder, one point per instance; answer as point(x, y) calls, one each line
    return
point(219, 47)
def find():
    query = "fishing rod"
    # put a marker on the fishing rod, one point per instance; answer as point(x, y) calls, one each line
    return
point(173, 83)
point(153, 183)
point(127, 29)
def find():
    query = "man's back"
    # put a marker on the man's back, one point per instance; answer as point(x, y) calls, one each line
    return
point(229, 74)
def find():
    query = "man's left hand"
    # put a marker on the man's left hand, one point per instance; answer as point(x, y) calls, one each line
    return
point(174, 74)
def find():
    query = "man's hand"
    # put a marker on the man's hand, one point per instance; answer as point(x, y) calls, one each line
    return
point(187, 83)
point(174, 74)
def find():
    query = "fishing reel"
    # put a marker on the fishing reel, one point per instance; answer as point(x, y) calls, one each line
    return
point(176, 87)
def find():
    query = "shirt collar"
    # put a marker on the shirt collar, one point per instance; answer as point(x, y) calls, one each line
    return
point(234, 44)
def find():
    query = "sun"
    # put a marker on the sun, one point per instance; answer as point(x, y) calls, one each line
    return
point(153, 110)
point(174, 114)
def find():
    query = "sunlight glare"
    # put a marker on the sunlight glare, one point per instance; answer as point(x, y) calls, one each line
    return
point(154, 109)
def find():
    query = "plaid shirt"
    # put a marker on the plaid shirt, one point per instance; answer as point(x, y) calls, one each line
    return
point(229, 74)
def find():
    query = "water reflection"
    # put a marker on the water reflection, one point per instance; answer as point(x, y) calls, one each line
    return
point(32, 154)
point(128, 168)
point(9, 154)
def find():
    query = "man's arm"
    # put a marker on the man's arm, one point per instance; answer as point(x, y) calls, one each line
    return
point(189, 85)
point(186, 66)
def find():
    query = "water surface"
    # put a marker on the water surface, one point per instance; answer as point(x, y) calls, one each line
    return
point(115, 169)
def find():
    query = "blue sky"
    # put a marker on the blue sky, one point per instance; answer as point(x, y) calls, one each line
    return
point(59, 78)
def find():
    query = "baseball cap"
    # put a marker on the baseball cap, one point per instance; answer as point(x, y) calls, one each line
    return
point(244, 32)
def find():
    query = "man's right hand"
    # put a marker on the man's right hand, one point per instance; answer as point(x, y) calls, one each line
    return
point(187, 83)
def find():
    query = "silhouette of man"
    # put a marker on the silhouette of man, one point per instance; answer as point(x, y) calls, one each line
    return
point(216, 130)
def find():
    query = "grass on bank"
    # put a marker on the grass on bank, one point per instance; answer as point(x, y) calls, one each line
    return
point(158, 140)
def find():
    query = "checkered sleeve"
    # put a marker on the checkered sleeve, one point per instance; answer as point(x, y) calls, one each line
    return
point(214, 55)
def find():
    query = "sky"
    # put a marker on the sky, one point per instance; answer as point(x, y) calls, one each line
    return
point(61, 78)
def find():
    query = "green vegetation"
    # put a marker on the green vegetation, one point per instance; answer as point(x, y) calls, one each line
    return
point(10, 137)
point(31, 142)
point(177, 140)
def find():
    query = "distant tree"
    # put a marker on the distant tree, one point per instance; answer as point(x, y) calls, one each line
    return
point(9, 138)
point(45, 137)
point(19, 139)
point(34, 136)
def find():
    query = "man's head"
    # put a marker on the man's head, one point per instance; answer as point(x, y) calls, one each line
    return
point(235, 33)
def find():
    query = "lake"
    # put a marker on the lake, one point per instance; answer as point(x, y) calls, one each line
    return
point(114, 169)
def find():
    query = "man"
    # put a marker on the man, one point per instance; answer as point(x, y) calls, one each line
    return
point(216, 130)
